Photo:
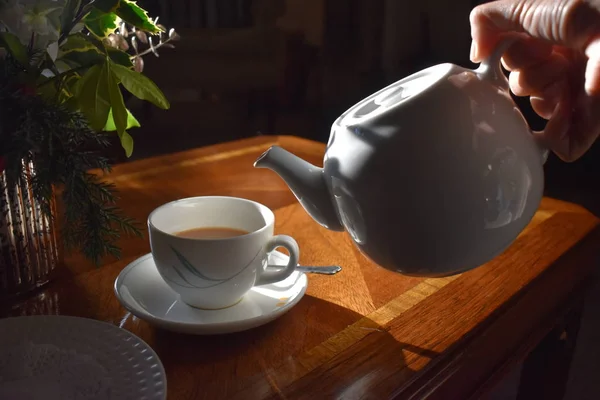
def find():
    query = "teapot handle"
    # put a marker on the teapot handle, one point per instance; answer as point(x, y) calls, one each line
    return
point(491, 71)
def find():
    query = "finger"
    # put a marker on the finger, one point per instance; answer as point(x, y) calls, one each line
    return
point(535, 79)
point(574, 144)
point(554, 135)
point(572, 130)
point(584, 126)
point(543, 107)
point(546, 102)
point(564, 22)
point(525, 53)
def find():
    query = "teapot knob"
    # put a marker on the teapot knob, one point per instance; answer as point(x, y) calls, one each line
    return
point(491, 70)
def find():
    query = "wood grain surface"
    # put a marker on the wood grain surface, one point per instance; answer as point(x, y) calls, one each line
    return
point(363, 333)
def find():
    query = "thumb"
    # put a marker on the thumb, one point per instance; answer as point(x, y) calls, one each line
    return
point(570, 23)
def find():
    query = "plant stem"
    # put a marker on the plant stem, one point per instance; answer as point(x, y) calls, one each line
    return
point(31, 42)
point(149, 50)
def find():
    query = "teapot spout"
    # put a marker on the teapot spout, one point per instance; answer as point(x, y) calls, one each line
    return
point(306, 181)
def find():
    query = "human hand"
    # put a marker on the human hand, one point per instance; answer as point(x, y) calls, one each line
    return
point(555, 60)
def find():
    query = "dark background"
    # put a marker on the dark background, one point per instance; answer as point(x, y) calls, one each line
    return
point(251, 67)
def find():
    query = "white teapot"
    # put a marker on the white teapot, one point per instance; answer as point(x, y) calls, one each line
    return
point(433, 175)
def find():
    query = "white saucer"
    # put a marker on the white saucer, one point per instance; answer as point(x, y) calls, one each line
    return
point(142, 291)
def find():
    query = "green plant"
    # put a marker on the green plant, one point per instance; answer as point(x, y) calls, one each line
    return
point(63, 67)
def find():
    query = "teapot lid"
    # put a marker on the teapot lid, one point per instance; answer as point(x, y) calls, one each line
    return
point(394, 94)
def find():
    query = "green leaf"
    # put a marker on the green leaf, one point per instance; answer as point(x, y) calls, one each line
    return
point(120, 57)
point(135, 15)
point(119, 112)
point(12, 44)
point(96, 42)
point(126, 143)
point(71, 82)
point(82, 50)
point(82, 58)
point(77, 42)
point(132, 122)
point(93, 95)
point(140, 86)
point(107, 6)
point(72, 104)
point(116, 103)
point(68, 15)
point(47, 92)
point(100, 23)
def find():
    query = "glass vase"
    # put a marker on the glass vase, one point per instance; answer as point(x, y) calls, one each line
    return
point(28, 239)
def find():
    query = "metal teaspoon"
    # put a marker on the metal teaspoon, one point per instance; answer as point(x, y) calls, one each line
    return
point(325, 270)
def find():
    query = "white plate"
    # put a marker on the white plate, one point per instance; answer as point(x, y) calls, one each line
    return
point(143, 292)
point(63, 358)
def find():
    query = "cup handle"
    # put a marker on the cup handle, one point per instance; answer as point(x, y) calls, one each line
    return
point(491, 71)
point(274, 273)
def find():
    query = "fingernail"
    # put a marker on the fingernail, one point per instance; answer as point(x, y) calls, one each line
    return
point(473, 51)
point(592, 77)
point(592, 70)
point(593, 49)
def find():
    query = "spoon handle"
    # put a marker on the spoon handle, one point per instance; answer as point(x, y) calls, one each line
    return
point(328, 270)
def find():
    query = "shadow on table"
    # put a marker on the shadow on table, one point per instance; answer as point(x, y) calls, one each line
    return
point(315, 332)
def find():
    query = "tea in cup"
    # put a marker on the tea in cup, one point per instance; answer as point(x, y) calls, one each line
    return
point(212, 250)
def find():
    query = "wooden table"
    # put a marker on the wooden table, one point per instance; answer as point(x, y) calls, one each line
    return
point(363, 333)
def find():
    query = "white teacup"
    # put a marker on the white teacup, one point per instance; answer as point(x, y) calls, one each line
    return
point(213, 273)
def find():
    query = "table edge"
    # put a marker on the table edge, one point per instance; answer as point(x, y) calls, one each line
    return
point(434, 378)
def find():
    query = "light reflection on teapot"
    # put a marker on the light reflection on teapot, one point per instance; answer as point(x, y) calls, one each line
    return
point(433, 175)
